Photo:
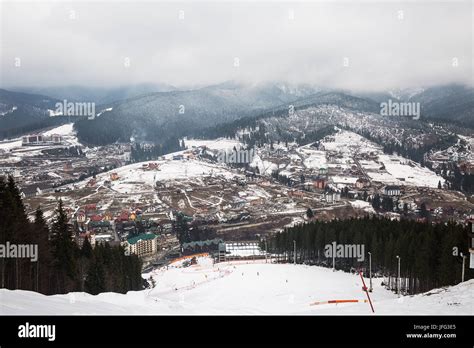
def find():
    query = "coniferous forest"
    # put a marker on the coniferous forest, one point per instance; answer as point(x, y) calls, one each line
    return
point(62, 266)
point(429, 254)
point(140, 153)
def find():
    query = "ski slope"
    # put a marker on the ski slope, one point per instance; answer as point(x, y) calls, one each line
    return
point(66, 131)
point(243, 288)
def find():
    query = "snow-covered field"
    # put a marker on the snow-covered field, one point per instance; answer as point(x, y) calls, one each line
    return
point(398, 170)
point(244, 288)
point(363, 205)
point(218, 144)
point(313, 158)
point(264, 167)
point(410, 172)
point(133, 178)
point(349, 143)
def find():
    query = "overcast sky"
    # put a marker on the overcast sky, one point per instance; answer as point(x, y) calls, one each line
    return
point(89, 44)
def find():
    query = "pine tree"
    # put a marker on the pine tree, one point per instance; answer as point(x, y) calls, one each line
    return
point(43, 265)
point(64, 251)
point(424, 213)
point(376, 202)
point(182, 229)
point(58, 268)
point(365, 196)
point(15, 229)
point(84, 261)
point(95, 280)
point(425, 250)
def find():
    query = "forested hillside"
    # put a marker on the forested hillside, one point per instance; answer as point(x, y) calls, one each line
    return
point(430, 254)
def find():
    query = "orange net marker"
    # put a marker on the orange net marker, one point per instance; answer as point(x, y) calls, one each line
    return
point(336, 302)
point(187, 257)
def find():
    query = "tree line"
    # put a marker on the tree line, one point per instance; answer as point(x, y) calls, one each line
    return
point(27, 119)
point(430, 253)
point(186, 232)
point(456, 179)
point(414, 152)
point(62, 266)
point(140, 153)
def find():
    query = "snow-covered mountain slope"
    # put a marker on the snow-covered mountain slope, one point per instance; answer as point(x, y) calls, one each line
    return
point(98, 95)
point(157, 115)
point(405, 93)
point(447, 103)
point(66, 131)
point(244, 288)
point(18, 110)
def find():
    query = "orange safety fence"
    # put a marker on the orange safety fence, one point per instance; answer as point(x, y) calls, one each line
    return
point(337, 301)
point(189, 257)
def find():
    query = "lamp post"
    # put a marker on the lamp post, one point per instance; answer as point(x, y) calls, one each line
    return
point(265, 240)
point(334, 257)
point(463, 266)
point(370, 271)
point(294, 252)
point(398, 278)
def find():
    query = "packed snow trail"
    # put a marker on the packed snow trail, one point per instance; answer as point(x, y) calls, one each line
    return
point(245, 288)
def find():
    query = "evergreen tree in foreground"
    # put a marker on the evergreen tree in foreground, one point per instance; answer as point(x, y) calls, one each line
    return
point(61, 266)
point(64, 252)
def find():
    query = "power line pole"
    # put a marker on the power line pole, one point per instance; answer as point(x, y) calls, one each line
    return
point(334, 259)
point(294, 252)
point(370, 271)
point(265, 240)
point(398, 278)
point(37, 276)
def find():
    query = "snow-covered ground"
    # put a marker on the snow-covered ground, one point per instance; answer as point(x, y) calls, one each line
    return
point(7, 145)
point(366, 206)
point(218, 144)
point(244, 288)
point(134, 179)
point(342, 148)
point(264, 167)
point(313, 158)
point(398, 170)
point(348, 143)
point(403, 171)
point(104, 111)
point(66, 131)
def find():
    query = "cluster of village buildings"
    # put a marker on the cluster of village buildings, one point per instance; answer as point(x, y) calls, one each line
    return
point(129, 228)
point(250, 198)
